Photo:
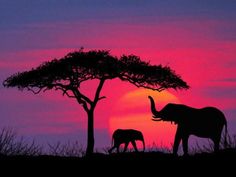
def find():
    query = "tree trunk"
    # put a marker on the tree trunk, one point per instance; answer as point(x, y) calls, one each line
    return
point(90, 133)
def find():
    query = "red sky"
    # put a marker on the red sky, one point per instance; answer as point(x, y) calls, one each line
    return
point(195, 38)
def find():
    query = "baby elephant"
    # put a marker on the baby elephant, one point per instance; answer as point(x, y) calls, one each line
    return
point(125, 136)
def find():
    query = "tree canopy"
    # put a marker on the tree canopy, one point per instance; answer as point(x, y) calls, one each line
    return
point(79, 66)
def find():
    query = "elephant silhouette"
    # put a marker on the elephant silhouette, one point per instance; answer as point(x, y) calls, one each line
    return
point(126, 136)
point(207, 122)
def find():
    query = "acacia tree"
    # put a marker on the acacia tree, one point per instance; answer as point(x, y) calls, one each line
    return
point(66, 74)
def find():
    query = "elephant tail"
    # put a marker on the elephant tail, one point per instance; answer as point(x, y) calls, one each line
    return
point(226, 135)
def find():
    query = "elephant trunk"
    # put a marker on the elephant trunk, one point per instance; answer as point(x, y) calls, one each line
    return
point(153, 108)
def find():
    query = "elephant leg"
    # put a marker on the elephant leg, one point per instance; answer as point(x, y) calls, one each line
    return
point(216, 141)
point(118, 148)
point(134, 145)
point(178, 137)
point(185, 144)
point(110, 150)
point(126, 145)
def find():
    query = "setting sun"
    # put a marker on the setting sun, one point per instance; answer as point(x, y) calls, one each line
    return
point(133, 111)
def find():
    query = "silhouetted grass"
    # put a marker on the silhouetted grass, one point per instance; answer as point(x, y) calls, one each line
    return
point(209, 147)
point(14, 148)
point(69, 149)
point(11, 144)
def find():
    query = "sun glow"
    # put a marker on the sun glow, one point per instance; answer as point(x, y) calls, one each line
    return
point(133, 111)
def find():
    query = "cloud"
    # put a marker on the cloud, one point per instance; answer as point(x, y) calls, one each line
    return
point(228, 80)
point(15, 12)
point(220, 92)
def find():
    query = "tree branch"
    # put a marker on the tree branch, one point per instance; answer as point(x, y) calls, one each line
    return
point(101, 98)
point(137, 84)
point(35, 92)
point(63, 88)
point(97, 94)
point(85, 106)
point(79, 94)
point(65, 92)
point(80, 100)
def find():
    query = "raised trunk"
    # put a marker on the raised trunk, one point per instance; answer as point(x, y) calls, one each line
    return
point(90, 133)
point(153, 108)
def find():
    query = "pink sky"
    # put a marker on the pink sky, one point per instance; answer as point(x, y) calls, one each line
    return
point(200, 49)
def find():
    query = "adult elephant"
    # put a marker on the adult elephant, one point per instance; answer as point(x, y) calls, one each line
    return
point(207, 122)
point(126, 136)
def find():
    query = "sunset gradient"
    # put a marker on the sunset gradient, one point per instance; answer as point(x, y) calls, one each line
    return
point(132, 110)
point(196, 38)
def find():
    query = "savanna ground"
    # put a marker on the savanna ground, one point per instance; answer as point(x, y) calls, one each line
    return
point(16, 152)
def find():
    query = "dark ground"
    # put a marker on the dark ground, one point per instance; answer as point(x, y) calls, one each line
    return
point(155, 163)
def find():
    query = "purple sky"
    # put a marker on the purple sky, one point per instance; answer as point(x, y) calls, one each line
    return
point(197, 38)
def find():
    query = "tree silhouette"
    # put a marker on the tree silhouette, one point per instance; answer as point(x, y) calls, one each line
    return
point(67, 74)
